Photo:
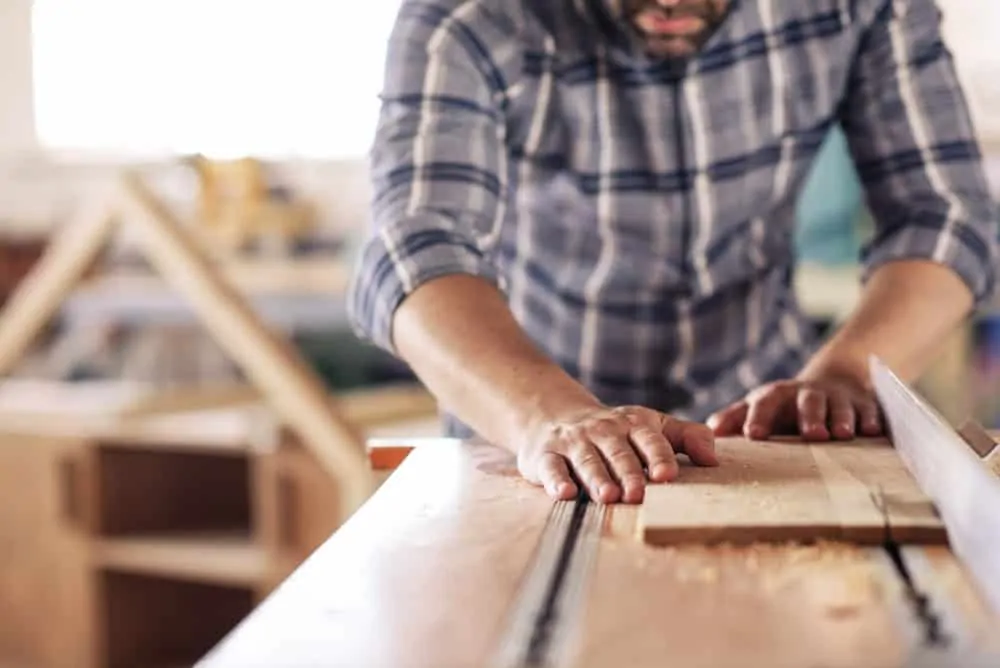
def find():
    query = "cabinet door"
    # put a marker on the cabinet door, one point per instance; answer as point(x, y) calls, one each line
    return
point(46, 602)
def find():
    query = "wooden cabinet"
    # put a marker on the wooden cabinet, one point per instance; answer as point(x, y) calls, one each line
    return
point(143, 540)
point(46, 588)
point(121, 554)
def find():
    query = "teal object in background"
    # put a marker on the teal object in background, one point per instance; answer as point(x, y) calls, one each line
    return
point(831, 208)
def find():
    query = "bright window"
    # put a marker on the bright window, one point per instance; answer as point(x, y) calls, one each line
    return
point(971, 29)
point(271, 78)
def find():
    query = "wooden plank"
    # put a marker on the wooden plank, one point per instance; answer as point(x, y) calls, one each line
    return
point(421, 575)
point(832, 604)
point(71, 253)
point(785, 491)
point(852, 471)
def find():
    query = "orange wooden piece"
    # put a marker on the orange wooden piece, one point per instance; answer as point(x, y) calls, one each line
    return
point(388, 457)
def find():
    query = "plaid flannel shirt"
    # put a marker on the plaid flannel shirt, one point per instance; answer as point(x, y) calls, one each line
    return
point(638, 214)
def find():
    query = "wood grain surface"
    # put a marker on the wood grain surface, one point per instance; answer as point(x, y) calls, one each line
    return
point(787, 491)
point(425, 574)
point(830, 605)
point(421, 575)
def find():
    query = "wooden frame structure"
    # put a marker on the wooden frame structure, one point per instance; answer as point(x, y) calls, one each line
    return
point(291, 388)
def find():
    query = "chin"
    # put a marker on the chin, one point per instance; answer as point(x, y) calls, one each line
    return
point(671, 48)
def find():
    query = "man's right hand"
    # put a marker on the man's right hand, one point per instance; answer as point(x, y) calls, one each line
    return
point(612, 452)
point(461, 339)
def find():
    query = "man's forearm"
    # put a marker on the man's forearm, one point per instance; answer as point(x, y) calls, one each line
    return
point(461, 339)
point(907, 311)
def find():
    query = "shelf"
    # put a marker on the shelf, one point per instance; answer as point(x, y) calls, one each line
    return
point(219, 558)
point(143, 492)
point(229, 419)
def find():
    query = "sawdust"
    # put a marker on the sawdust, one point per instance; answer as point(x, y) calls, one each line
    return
point(832, 577)
point(503, 469)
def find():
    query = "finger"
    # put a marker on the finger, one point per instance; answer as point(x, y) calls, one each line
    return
point(811, 407)
point(554, 476)
point(842, 416)
point(762, 413)
point(624, 465)
point(729, 421)
point(869, 418)
point(693, 439)
point(591, 470)
point(656, 451)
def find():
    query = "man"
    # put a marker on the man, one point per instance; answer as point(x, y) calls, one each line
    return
point(583, 220)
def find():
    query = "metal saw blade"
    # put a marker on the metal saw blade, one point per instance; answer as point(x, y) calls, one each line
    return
point(966, 495)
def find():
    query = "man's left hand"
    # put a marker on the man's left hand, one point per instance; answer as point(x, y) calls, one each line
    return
point(818, 410)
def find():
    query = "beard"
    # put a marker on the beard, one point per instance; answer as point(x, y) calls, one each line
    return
point(677, 31)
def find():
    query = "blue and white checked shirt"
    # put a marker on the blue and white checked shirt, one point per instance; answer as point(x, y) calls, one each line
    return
point(638, 214)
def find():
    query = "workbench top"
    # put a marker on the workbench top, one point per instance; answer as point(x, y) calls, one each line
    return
point(426, 574)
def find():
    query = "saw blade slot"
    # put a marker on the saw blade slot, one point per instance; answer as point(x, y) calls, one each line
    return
point(928, 619)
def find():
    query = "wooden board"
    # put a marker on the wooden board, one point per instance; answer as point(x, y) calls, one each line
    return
point(786, 491)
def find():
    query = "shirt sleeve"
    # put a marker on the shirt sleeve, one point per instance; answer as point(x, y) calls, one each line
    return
point(911, 135)
point(437, 164)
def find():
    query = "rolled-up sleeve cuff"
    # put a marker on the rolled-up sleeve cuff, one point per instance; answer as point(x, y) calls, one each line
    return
point(393, 264)
point(962, 248)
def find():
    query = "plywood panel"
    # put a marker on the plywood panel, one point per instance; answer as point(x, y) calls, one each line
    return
point(786, 491)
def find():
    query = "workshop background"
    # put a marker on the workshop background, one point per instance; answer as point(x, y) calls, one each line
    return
point(154, 483)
